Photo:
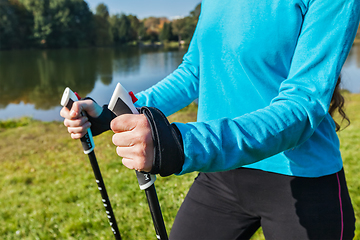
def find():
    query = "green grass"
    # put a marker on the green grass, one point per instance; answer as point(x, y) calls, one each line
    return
point(350, 150)
point(48, 190)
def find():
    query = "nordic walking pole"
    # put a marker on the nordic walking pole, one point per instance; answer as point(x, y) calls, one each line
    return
point(67, 100)
point(121, 102)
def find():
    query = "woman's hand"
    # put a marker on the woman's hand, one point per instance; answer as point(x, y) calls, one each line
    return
point(76, 123)
point(134, 141)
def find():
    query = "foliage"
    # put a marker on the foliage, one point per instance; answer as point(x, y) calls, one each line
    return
point(60, 23)
point(71, 24)
point(166, 32)
point(15, 25)
point(121, 29)
point(102, 11)
point(179, 27)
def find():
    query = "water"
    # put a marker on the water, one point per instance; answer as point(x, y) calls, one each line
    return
point(32, 81)
point(351, 71)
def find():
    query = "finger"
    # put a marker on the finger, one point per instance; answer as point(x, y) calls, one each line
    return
point(81, 129)
point(125, 122)
point(76, 109)
point(88, 106)
point(65, 113)
point(123, 139)
point(76, 122)
point(134, 163)
point(71, 114)
point(125, 152)
point(131, 164)
point(128, 163)
point(134, 158)
point(77, 135)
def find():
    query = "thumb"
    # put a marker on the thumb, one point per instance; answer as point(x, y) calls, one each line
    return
point(89, 106)
point(76, 109)
point(124, 122)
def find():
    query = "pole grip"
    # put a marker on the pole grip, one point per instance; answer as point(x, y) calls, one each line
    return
point(67, 100)
point(122, 103)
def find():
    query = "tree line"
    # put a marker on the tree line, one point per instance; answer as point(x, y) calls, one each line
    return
point(71, 24)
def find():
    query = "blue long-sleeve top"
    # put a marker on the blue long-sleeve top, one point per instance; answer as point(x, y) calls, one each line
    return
point(264, 73)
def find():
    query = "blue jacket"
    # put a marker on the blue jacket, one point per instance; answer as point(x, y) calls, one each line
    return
point(264, 74)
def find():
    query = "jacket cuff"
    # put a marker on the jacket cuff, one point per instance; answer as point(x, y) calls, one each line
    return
point(169, 152)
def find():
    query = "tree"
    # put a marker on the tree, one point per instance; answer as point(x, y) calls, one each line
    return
point(196, 12)
point(191, 21)
point(61, 23)
point(166, 32)
point(15, 25)
point(71, 23)
point(120, 28)
point(152, 23)
point(42, 20)
point(141, 30)
point(102, 11)
point(102, 29)
point(134, 25)
point(179, 28)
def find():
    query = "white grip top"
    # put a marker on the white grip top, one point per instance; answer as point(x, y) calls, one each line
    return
point(120, 92)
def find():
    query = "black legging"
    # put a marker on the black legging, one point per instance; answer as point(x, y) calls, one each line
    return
point(234, 204)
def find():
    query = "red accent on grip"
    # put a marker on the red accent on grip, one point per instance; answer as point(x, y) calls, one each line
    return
point(77, 95)
point(133, 98)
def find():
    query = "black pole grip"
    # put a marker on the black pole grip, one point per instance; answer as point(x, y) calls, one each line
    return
point(121, 103)
point(86, 141)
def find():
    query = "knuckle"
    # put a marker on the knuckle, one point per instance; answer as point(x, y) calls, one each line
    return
point(140, 164)
point(143, 121)
point(114, 124)
point(139, 149)
point(139, 137)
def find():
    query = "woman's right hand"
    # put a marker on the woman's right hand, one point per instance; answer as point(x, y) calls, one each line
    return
point(76, 123)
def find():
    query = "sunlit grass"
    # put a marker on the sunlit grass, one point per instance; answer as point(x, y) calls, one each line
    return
point(48, 190)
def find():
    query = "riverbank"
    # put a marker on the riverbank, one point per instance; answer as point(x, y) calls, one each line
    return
point(48, 190)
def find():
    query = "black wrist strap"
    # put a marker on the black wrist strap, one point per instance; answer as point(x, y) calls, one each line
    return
point(169, 152)
point(101, 123)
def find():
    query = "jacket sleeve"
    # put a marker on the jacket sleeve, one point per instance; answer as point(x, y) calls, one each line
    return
point(327, 33)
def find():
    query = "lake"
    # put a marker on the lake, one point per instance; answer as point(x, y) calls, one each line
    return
point(32, 81)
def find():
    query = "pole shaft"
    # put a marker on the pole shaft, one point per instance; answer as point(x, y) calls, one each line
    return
point(104, 195)
point(156, 212)
point(67, 100)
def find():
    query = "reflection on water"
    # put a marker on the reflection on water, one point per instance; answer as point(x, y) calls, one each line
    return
point(32, 81)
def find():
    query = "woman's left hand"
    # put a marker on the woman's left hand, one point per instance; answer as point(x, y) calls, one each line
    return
point(134, 142)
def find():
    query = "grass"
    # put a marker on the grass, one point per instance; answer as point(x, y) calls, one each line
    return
point(48, 190)
point(349, 142)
